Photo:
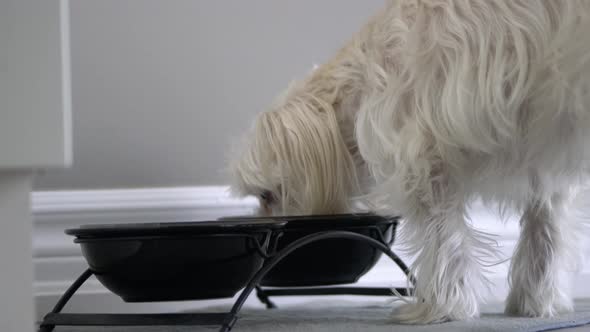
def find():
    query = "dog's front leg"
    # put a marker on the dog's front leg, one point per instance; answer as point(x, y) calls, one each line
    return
point(449, 278)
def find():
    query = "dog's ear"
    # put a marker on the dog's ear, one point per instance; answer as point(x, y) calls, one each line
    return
point(309, 155)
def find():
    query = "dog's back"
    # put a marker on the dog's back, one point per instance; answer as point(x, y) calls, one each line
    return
point(489, 88)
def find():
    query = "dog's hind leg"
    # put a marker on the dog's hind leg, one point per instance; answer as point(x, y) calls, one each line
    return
point(538, 265)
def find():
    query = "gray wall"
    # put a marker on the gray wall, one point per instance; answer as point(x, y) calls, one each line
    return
point(160, 87)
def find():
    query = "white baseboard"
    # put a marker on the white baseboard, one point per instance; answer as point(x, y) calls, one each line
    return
point(58, 260)
point(56, 211)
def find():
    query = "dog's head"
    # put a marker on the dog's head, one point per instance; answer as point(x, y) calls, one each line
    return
point(295, 159)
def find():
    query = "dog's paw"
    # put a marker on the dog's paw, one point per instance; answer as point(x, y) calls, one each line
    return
point(542, 305)
point(424, 313)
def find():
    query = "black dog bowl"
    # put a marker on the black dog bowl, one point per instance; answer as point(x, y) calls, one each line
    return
point(330, 261)
point(175, 261)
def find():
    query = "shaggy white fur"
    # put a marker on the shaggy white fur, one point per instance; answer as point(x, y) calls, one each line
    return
point(432, 104)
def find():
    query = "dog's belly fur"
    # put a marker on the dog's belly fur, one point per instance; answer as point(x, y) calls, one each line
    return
point(521, 172)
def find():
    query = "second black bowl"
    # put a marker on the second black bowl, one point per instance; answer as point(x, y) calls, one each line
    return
point(330, 261)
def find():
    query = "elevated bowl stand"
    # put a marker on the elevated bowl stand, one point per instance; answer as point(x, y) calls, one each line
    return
point(227, 320)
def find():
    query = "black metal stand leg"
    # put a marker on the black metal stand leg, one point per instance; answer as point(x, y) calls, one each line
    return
point(398, 261)
point(231, 318)
point(365, 291)
point(265, 294)
point(65, 298)
point(55, 317)
point(263, 297)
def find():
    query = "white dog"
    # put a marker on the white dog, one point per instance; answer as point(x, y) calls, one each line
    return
point(432, 104)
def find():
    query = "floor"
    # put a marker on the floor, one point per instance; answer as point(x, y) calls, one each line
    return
point(585, 328)
point(352, 316)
